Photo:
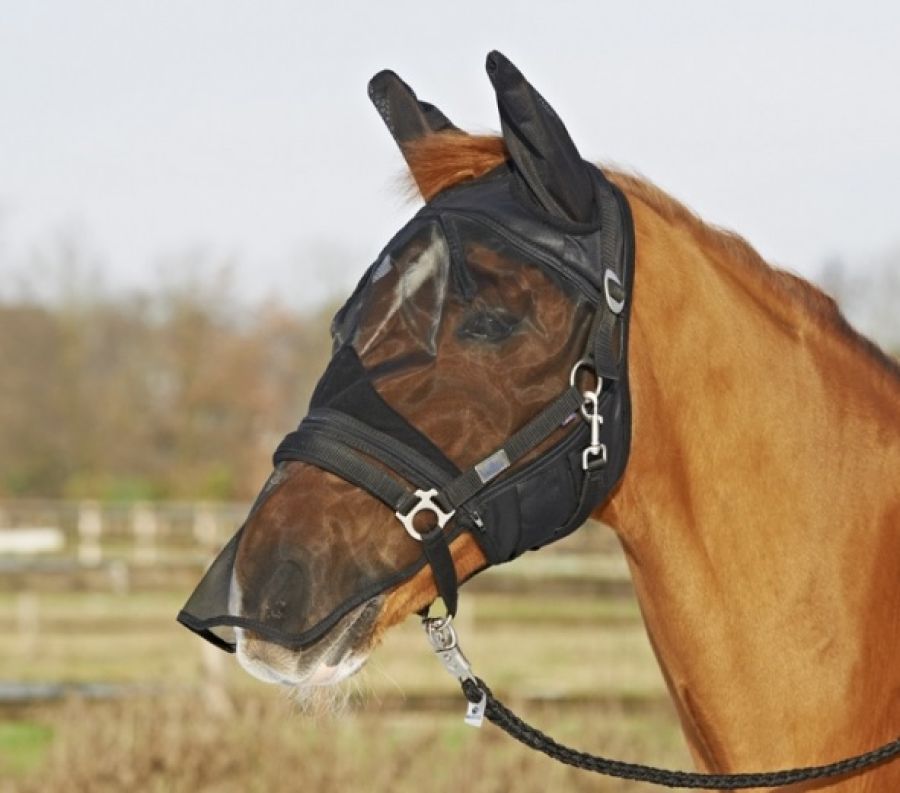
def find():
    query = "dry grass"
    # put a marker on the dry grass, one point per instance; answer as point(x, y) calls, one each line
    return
point(600, 644)
point(176, 744)
point(579, 667)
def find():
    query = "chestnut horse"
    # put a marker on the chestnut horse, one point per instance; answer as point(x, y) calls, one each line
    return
point(759, 511)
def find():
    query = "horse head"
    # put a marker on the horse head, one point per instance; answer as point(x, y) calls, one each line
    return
point(458, 364)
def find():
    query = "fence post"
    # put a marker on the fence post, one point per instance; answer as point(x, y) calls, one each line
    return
point(28, 623)
point(119, 577)
point(206, 527)
point(90, 527)
point(216, 697)
point(145, 526)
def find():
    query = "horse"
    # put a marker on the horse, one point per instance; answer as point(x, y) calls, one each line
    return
point(759, 510)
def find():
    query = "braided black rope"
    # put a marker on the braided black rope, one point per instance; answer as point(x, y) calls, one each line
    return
point(507, 721)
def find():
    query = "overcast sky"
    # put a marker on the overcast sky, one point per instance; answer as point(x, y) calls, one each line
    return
point(149, 129)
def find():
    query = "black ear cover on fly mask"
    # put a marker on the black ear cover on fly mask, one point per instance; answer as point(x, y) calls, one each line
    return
point(547, 164)
point(406, 116)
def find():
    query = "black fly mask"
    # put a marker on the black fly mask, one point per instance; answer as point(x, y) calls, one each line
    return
point(454, 289)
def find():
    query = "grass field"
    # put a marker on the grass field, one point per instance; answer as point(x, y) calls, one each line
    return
point(188, 719)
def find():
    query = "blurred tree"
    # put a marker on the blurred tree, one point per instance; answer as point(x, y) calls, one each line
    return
point(183, 391)
point(179, 392)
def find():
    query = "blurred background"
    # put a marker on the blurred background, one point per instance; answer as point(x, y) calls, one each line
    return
point(186, 192)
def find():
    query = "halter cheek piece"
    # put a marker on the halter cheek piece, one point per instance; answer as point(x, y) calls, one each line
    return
point(504, 505)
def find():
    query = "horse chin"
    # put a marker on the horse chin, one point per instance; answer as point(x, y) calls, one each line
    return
point(334, 658)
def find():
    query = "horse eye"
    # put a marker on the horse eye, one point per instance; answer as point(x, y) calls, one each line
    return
point(487, 325)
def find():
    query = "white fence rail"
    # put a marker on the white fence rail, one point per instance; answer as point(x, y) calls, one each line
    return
point(91, 532)
point(86, 545)
point(148, 545)
point(154, 533)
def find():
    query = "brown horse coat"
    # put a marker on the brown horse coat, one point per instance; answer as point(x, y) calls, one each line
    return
point(760, 510)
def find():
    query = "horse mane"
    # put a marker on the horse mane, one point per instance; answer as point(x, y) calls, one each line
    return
point(444, 159)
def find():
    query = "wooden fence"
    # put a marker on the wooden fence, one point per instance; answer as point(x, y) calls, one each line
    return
point(95, 545)
point(140, 545)
point(93, 532)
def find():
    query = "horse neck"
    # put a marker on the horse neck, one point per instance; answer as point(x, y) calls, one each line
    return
point(760, 510)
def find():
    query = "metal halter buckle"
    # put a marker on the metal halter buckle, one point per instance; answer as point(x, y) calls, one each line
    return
point(426, 503)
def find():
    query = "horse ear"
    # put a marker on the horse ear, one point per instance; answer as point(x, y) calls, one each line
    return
point(545, 158)
point(407, 118)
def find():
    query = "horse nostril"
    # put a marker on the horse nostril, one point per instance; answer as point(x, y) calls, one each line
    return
point(275, 610)
point(285, 592)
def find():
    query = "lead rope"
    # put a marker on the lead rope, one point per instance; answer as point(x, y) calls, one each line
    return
point(482, 704)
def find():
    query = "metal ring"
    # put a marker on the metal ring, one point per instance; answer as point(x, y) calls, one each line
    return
point(581, 363)
point(615, 306)
point(591, 395)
